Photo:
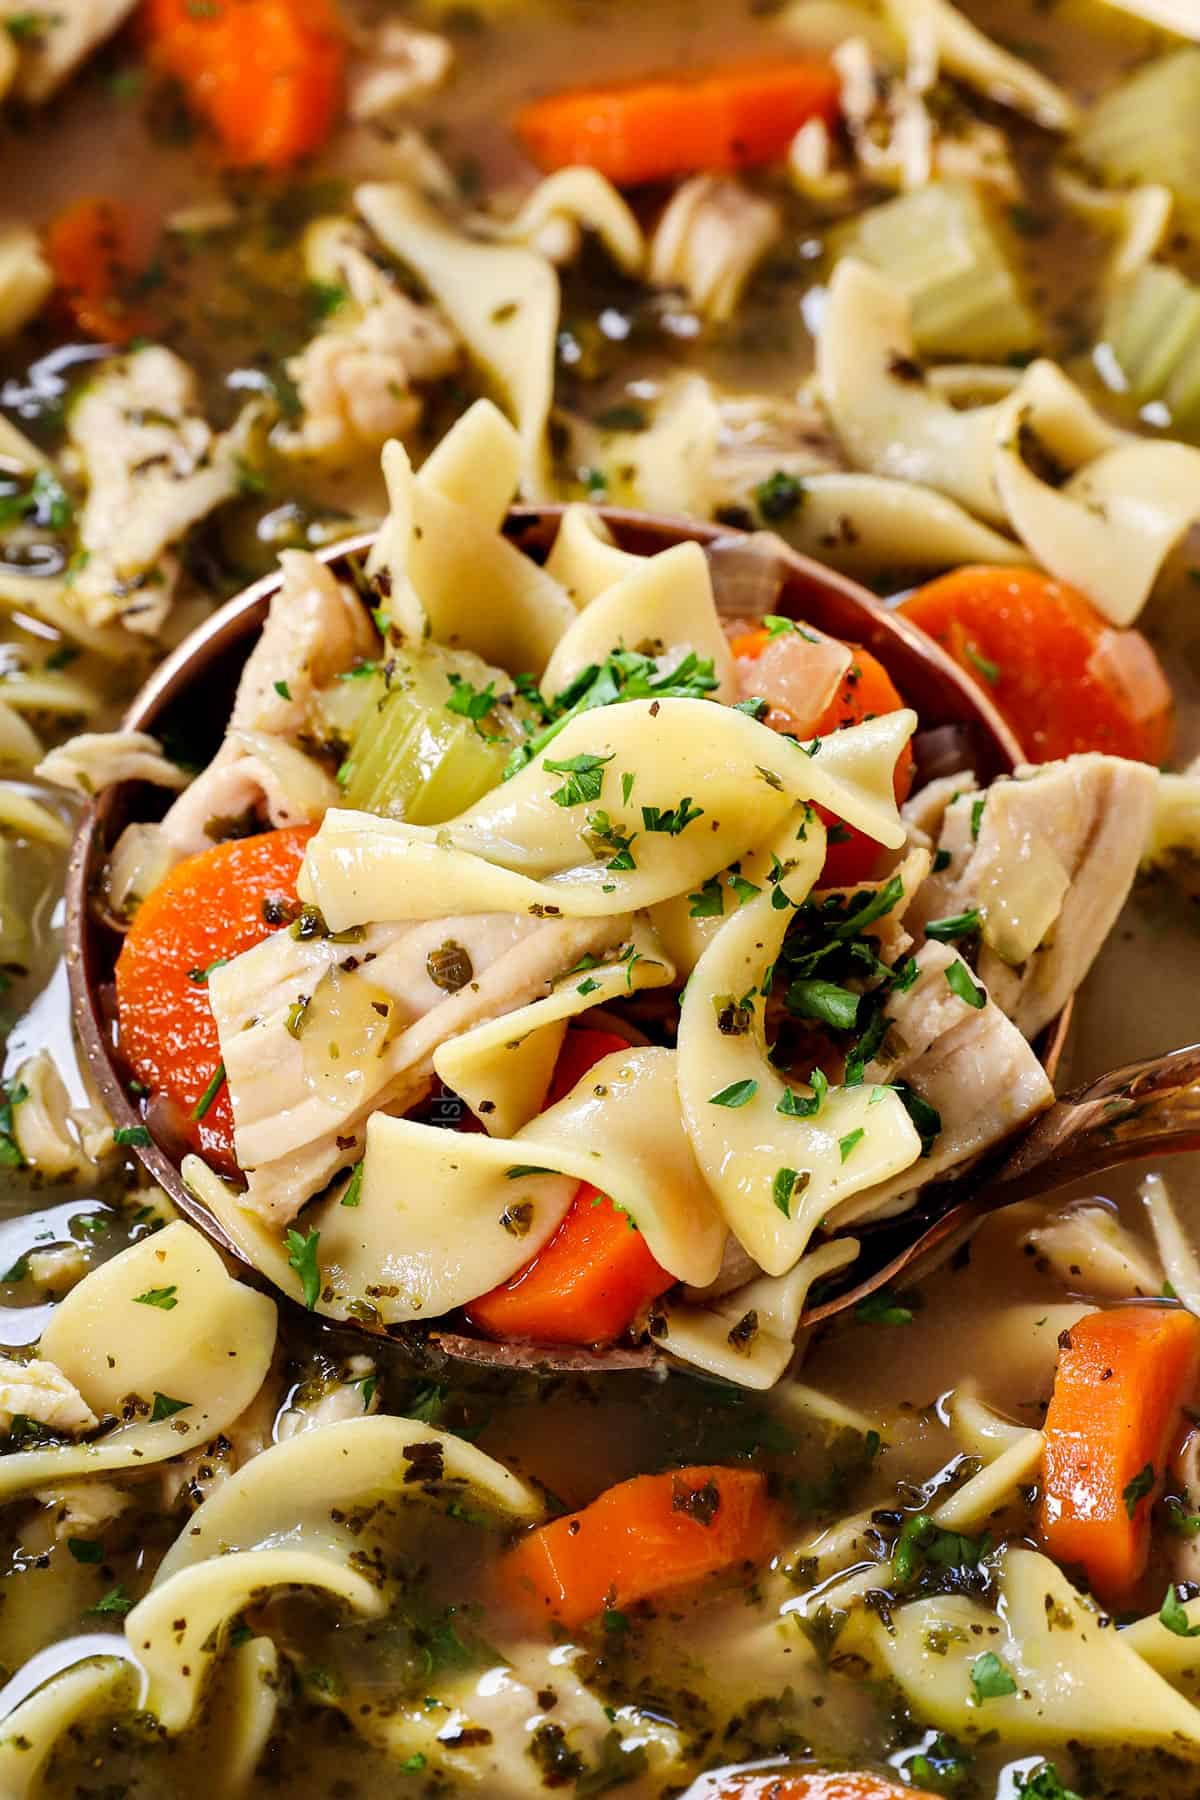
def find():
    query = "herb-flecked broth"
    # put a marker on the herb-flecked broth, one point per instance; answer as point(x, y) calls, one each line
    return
point(751, 1668)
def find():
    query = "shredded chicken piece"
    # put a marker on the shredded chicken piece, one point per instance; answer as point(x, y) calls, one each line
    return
point(1093, 1253)
point(200, 1472)
point(41, 1392)
point(761, 436)
point(99, 759)
point(67, 33)
point(154, 468)
point(25, 277)
point(60, 1268)
point(82, 1506)
point(393, 65)
point(709, 241)
point(357, 1395)
point(298, 1117)
point(925, 811)
point(356, 378)
point(1048, 858)
point(969, 1063)
point(315, 629)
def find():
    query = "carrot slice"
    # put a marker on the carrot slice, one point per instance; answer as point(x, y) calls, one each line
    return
point(651, 130)
point(639, 1539)
point(90, 247)
point(810, 1784)
point(265, 75)
point(593, 1277)
point(1064, 678)
point(1123, 1377)
point(212, 907)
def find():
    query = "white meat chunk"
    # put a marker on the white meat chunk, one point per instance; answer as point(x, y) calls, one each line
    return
point(357, 378)
point(969, 1063)
point(66, 34)
point(709, 241)
point(357, 1394)
point(41, 1392)
point(393, 65)
point(316, 1035)
point(1048, 859)
point(315, 629)
point(154, 468)
point(81, 1507)
point(25, 277)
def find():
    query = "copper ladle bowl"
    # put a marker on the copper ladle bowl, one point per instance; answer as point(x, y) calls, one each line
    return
point(192, 693)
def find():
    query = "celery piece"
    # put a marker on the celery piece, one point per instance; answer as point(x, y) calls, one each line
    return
point(946, 251)
point(1148, 129)
point(1153, 329)
point(411, 757)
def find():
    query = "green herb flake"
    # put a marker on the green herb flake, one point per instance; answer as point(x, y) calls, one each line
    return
point(988, 669)
point(353, 1193)
point(302, 1257)
point(977, 816)
point(86, 1550)
point(216, 1083)
point(115, 1601)
point(787, 1183)
point(814, 998)
point(672, 820)
point(882, 1308)
point(738, 1093)
point(708, 903)
point(990, 1679)
point(165, 1298)
point(1136, 1490)
point(135, 1136)
point(804, 1106)
point(957, 925)
point(585, 775)
point(165, 1407)
point(779, 496)
point(960, 981)
point(848, 1144)
point(282, 689)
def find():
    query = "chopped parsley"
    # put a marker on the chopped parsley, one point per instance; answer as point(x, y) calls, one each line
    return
point(1136, 1490)
point(738, 1093)
point(585, 777)
point(960, 981)
point(86, 1550)
point(1173, 1615)
point(216, 1083)
point(988, 669)
point(779, 496)
point(882, 1308)
point(284, 692)
point(848, 1144)
point(623, 675)
point(165, 1408)
point(135, 1136)
point(1044, 1783)
point(804, 1106)
point(957, 925)
point(815, 998)
point(302, 1257)
point(977, 815)
point(674, 819)
point(786, 1185)
point(990, 1679)
point(115, 1601)
point(353, 1193)
point(165, 1298)
point(470, 702)
point(708, 903)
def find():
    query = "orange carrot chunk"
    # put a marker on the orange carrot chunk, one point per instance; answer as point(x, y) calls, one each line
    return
point(1063, 678)
point(811, 1784)
point(1123, 1377)
point(639, 1539)
point(595, 1275)
point(265, 75)
point(90, 248)
point(210, 908)
point(676, 125)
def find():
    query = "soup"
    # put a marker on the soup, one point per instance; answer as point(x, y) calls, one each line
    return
point(554, 962)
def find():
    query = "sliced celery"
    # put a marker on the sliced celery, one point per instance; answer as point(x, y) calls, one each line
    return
point(1153, 330)
point(1148, 129)
point(412, 757)
point(941, 245)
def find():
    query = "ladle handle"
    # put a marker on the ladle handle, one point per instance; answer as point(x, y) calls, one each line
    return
point(1145, 1109)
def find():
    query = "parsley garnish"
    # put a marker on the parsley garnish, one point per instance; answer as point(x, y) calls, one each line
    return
point(778, 496)
point(709, 903)
point(585, 775)
point(881, 1308)
point(814, 998)
point(957, 925)
point(86, 1550)
point(787, 1183)
point(210, 1093)
point(1137, 1489)
point(624, 675)
point(136, 1136)
point(200, 976)
point(990, 1679)
point(165, 1298)
point(608, 836)
point(115, 1601)
point(470, 702)
point(1173, 1615)
point(848, 1144)
point(1042, 1784)
point(353, 1193)
point(672, 819)
point(977, 815)
point(282, 689)
point(738, 1093)
point(164, 1407)
point(960, 982)
point(302, 1256)
point(804, 1106)
point(988, 669)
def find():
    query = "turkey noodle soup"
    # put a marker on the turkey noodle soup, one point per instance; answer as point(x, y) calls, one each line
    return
point(552, 968)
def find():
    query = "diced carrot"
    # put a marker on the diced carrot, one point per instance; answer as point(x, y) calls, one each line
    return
point(90, 248)
point(1064, 678)
point(678, 125)
point(865, 691)
point(1123, 1377)
point(640, 1539)
point(593, 1277)
point(211, 907)
point(808, 1784)
point(265, 75)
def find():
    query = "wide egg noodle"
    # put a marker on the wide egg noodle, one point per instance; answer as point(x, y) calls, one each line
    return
point(503, 1068)
point(502, 299)
point(1066, 1662)
point(860, 1137)
point(90, 1691)
point(749, 1335)
point(1110, 527)
point(574, 197)
point(584, 559)
point(976, 59)
point(453, 577)
point(476, 465)
point(182, 1626)
point(665, 607)
point(208, 1342)
point(862, 523)
point(887, 417)
point(518, 850)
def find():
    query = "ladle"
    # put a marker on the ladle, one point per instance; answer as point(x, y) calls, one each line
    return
point(191, 695)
